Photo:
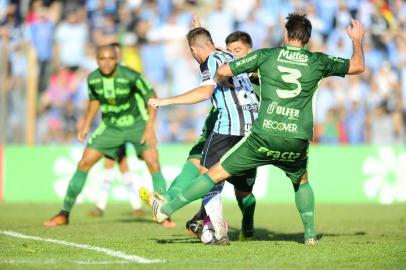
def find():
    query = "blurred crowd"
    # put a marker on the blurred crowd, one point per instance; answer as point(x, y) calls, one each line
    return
point(369, 108)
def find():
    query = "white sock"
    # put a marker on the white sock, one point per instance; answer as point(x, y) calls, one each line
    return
point(214, 208)
point(135, 201)
point(109, 175)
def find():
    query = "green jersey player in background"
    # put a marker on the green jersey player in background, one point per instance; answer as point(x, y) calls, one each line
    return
point(113, 88)
point(289, 77)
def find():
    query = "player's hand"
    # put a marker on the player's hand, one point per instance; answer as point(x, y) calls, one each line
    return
point(157, 102)
point(356, 31)
point(196, 22)
point(149, 138)
point(82, 134)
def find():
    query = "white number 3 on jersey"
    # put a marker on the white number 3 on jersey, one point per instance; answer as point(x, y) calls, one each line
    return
point(292, 76)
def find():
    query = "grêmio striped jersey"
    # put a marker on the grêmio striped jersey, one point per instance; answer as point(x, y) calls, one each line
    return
point(237, 106)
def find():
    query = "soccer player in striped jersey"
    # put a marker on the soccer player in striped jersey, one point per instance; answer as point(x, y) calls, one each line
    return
point(237, 107)
point(239, 44)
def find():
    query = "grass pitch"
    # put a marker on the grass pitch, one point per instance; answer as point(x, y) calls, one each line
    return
point(352, 237)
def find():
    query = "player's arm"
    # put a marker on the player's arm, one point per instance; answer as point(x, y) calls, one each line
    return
point(196, 95)
point(149, 133)
point(92, 109)
point(147, 92)
point(356, 32)
point(247, 64)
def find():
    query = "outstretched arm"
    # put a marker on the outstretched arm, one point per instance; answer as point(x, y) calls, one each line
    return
point(195, 95)
point(356, 32)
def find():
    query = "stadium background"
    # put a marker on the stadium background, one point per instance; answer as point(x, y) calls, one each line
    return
point(48, 47)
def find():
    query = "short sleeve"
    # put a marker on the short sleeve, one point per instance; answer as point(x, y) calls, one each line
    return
point(90, 90)
point(334, 66)
point(208, 70)
point(247, 64)
point(144, 88)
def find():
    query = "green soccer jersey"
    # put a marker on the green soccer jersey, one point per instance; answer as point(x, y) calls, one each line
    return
point(289, 77)
point(122, 97)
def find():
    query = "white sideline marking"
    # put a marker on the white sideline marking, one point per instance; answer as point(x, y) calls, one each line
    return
point(109, 252)
point(64, 261)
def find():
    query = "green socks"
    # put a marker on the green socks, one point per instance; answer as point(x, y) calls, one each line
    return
point(247, 206)
point(304, 199)
point(189, 172)
point(158, 182)
point(75, 187)
point(196, 189)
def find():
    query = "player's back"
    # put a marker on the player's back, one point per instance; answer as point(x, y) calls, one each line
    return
point(289, 79)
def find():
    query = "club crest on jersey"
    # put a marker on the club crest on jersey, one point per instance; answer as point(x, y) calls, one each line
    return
point(111, 101)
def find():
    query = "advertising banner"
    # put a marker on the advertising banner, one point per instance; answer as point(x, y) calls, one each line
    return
point(338, 174)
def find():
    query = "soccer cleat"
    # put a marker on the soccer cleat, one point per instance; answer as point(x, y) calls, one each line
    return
point(194, 228)
point(156, 204)
point(59, 219)
point(169, 224)
point(223, 241)
point(311, 241)
point(97, 212)
point(247, 236)
point(145, 195)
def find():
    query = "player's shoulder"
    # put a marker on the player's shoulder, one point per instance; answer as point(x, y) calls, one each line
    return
point(94, 77)
point(127, 72)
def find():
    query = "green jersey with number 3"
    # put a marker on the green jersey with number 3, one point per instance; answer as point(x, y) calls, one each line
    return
point(289, 77)
point(122, 97)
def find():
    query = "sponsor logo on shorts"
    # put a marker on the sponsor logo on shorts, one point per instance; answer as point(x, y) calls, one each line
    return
point(278, 155)
point(280, 126)
point(291, 113)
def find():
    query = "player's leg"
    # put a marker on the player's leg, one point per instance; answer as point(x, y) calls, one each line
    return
point(76, 184)
point(243, 186)
point(295, 167)
point(190, 170)
point(105, 187)
point(104, 142)
point(304, 199)
point(150, 156)
point(237, 160)
point(130, 183)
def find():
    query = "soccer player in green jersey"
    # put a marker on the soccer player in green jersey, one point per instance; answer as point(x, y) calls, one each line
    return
point(126, 175)
point(113, 88)
point(289, 77)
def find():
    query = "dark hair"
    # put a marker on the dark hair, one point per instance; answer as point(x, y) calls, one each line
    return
point(298, 27)
point(239, 36)
point(199, 35)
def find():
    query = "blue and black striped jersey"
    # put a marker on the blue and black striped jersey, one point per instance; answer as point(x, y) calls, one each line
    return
point(237, 106)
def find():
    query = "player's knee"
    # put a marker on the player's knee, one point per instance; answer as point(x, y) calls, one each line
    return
point(152, 162)
point(242, 194)
point(85, 165)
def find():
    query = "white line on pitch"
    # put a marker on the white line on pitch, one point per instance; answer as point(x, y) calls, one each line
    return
point(109, 252)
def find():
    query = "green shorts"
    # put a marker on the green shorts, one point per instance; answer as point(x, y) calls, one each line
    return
point(197, 149)
point(256, 150)
point(108, 140)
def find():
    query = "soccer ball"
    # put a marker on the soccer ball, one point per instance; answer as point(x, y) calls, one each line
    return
point(208, 232)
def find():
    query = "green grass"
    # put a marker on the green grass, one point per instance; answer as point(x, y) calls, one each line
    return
point(352, 237)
